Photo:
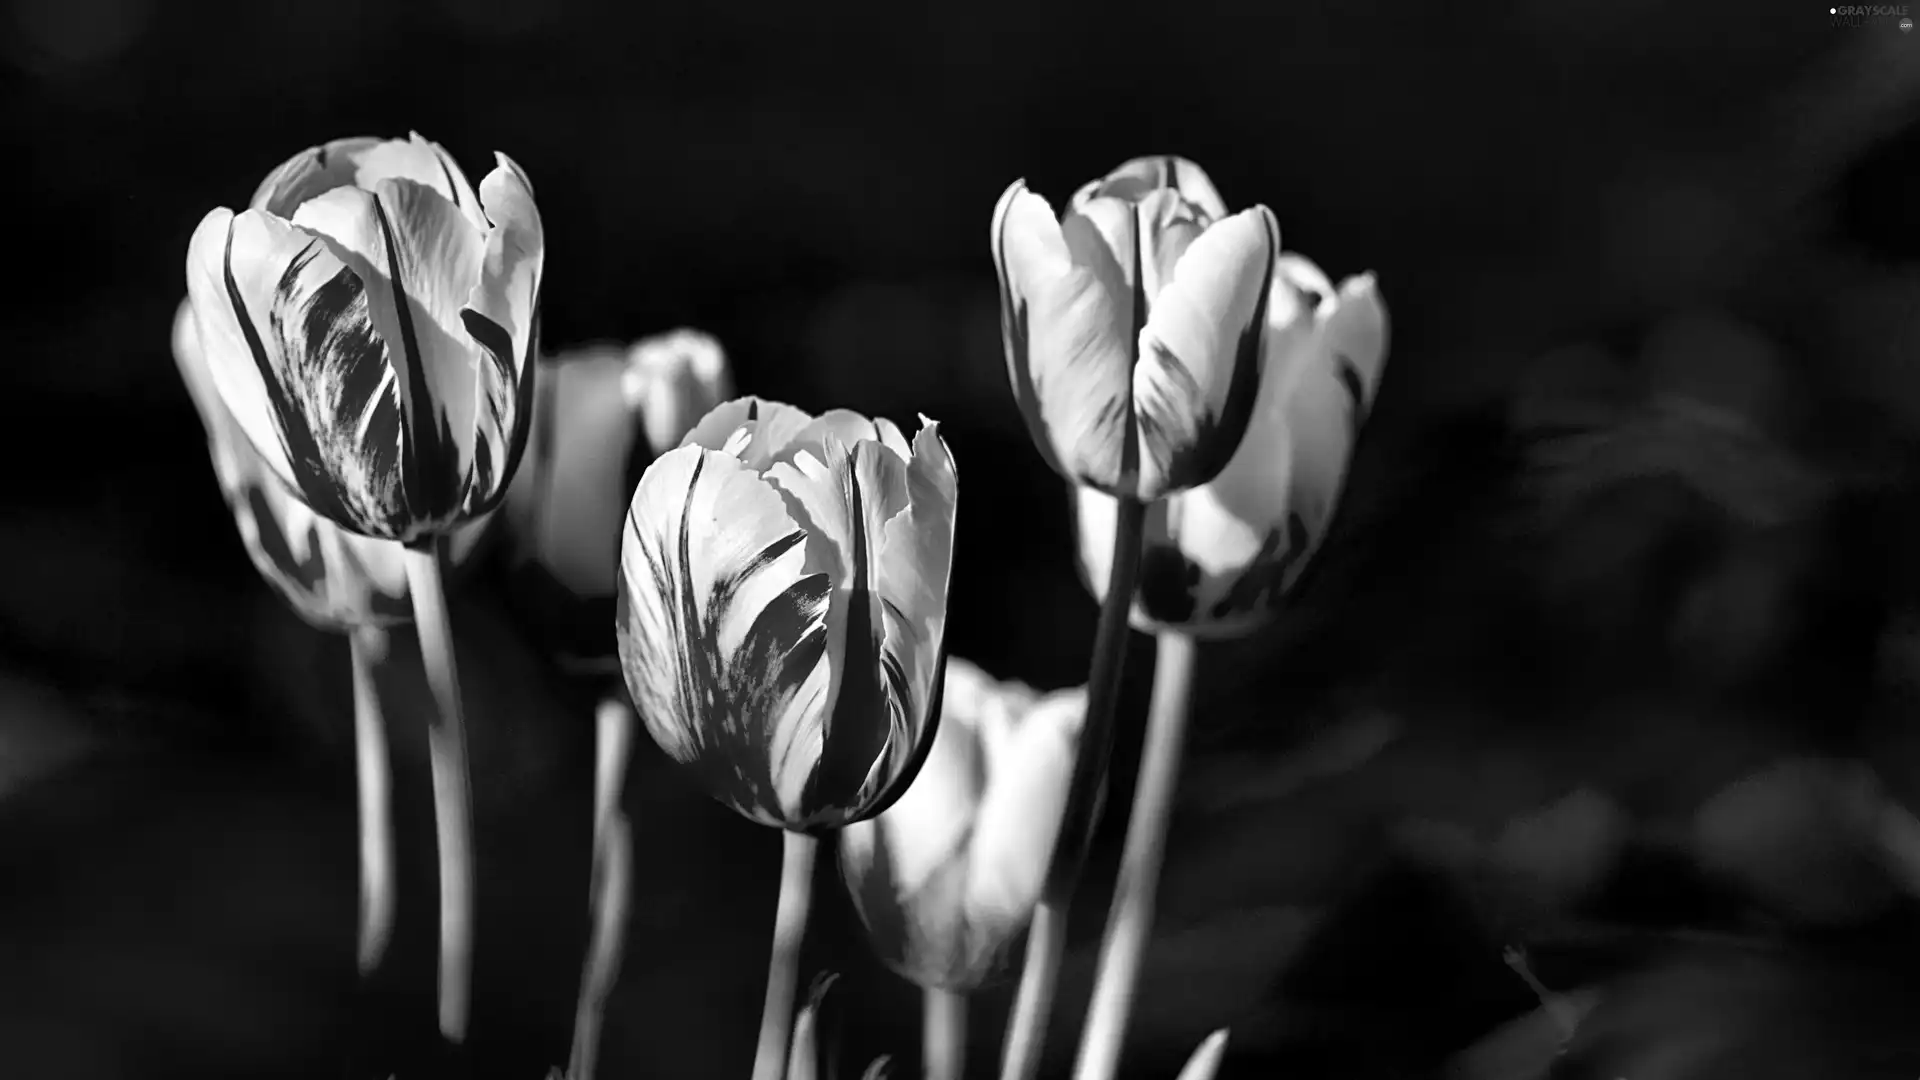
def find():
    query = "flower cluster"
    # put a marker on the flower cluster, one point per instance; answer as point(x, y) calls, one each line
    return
point(362, 343)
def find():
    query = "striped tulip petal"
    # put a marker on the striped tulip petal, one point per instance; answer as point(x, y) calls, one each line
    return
point(1132, 324)
point(1219, 557)
point(782, 606)
point(364, 162)
point(947, 877)
point(332, 578)
point(370, 323)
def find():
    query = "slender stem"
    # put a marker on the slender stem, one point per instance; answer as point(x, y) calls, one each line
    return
point(1027, 1027)
point(1046, 940)
point(612, 886)
point(783, 968)
point(944, 1034)
point(1130, 922)
point(452, 799)
point(374, 778)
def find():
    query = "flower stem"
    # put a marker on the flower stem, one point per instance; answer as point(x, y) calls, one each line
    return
point(1046, 939)
point(612, 885)
point(452, 799)
point(374, 778)
point(1130, 922)
point(944, 1035)
point(783, 967)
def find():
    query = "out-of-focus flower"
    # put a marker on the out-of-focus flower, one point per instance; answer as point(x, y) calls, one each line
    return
point(782, 607)
point(1132, 324)
point(1217, 559)
point(370, 322)
point(601, 416)
point(947, 878)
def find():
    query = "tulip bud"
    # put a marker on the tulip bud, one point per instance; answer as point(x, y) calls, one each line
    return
point(947, 878)
point(782, 607)
point(1217, 559)
point(601, 416)
point(1132, 324)
point(370, 323)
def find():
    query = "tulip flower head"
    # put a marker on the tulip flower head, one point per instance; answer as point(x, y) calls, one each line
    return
point(947, 878)
point(369, 322)
point(601, 416)
point(1218, 559)
point(782, 607)
point(1132, 324)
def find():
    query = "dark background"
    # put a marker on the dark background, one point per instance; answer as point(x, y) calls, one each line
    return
point(1620, 594)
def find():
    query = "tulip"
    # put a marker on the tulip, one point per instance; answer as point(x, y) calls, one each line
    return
point(370, 322)
point(1132, 324)
point(1217, 559)
point(782, 607)
point(781, 622)
point(948, 876)
point(601, 416)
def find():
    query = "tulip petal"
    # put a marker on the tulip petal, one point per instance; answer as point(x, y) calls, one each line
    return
point(332, 578)
point(1019, 818)
point(1068, 311)
point(1133, 180)
point(844, 496)
point(503, 316)
point(1198, 375)
point(289, 332)
point(915, 569)
point(770, 425)
point(313, 171)
point(567, 499)
point(722, 635)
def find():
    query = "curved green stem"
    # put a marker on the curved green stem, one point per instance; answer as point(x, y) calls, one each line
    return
point(783, 967)
point(1130, 923)
point(1046, 939)
point(373, 775)
point(452, 797)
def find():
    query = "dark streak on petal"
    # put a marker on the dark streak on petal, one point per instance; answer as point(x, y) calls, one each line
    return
point(428, 477)
point(857, 732)
point(318, 485)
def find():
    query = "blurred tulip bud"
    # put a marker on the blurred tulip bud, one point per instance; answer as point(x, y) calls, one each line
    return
point(1132, 324)
point(783, 604)
point(946, 879)
point(370, 323)
point(601, 415)
point(1218, 558)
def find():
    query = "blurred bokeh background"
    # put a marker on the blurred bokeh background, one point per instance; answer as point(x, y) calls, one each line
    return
point(1612, 657)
